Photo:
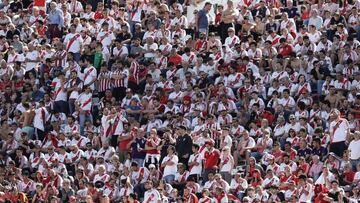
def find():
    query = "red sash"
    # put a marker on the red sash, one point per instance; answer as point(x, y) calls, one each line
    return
point(150, 198)
point(72, 41)
point(132, 13)
point(218, 56)
point(86, 102)
point(233, 42)
point(183, 177)
point(88, 73)
point(57, 92)
point(79, 142)
point(166, 48)
point(314, 114)
point(335, 128)
point(247, 3)
point(161, 61)
point(43, 116)
point(191, 58)
point(323, 140)
point(344, 84)
point(103, 178)
point(120, 51)
point(280, 74)
point(141, 174)
point(270, 183)
point(74, 7)
point(103, 37)
point(117, 119)
point(76, 156)
point(36, 160)
point(195, 160)
point(206, 200)
point(27, 186)
point(172, 74)
point(303, 88)
point(226, 160)
point(14, 59)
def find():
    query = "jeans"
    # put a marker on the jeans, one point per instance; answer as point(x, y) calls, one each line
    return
point(61, 106)
point(76, 56)
point(354, 164)
point(71, 106)
point(83, 117)
point(169, 178)
point(139, 161)
point(319, 85)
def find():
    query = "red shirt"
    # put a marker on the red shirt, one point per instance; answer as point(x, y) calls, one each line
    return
point(285, 50)
point(211, 159)
point(176, 59)
point(349, 176)
point(124, 143)
point(98, 15)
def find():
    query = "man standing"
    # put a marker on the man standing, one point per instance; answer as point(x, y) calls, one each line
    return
point(74, 43)
point(183, 145)
point(202, 19)
point(339, 130)
point(211, 157)
point(55, 21)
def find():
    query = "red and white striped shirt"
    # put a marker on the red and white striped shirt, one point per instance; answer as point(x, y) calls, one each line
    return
point(120, 82)
point(104, 81)
point(62, 61)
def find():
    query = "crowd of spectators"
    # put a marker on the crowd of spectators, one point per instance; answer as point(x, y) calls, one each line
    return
point(180, 101)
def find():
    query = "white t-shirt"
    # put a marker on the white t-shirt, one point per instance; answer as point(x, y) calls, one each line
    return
point(76, 42)
point(152, 196)
point(170, 169)
point(339, 130)
point(196, 169)
point(31, 55)
point(354, 148)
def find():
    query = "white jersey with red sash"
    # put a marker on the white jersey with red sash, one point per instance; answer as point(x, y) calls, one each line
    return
point(60, 94)
point(231, 41)
point(85, 101)
point(303, 88)
point(90, 75)
point(152, 196)
point(161, 62)
point(74, 42)
point(41, 115)
point(74, 83)
point(338, 130)
point(75, 156)
point(103, 178)
point(106, 38)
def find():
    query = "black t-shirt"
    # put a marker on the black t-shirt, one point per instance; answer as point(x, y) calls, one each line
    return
point(322, 70)
point(123, 36)
point(16, 6)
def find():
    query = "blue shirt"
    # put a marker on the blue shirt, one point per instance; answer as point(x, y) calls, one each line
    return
point(56, 17)
point(203, 19)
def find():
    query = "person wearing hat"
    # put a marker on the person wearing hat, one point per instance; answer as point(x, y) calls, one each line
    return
point(212, 157)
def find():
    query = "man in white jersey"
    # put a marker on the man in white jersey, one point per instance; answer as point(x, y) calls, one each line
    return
point(83, 105)
point(151, 194)
point(339, 130)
